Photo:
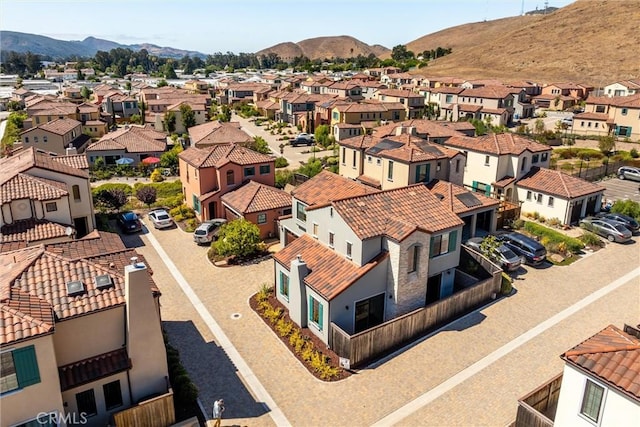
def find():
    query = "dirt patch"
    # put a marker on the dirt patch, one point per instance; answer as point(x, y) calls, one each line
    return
point(318, 344)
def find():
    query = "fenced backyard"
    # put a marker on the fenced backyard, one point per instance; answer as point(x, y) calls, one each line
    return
point(155, 412)
point(538, 408)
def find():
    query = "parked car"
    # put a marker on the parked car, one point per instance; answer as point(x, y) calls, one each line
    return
point(503, 256)
point(567, 121)
point(207, 232)
point(623, 219)
point(160, 218)
point(613, 231)
point(306, 136)
point(532, 251)
point(302, 140)
point(129, 222)
point(629, 172)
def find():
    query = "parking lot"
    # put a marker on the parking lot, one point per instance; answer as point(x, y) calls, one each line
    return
point(617, 189)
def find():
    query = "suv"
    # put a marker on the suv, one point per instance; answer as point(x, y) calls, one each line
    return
point(207, 232)
point(532, 251)
point(303, 139)
point(629, 172)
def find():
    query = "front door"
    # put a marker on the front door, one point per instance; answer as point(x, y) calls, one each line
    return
point(81, 226)
point(369, 313)
point(213, 210)
point(433, 288)
point(576, 210)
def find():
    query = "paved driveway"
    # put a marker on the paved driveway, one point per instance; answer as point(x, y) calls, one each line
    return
point(415, 377)
point(618, 189)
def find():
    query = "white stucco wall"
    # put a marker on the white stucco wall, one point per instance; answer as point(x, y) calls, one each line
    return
point(558, 210)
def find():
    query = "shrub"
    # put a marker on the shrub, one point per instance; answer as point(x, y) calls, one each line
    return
point(535, 215)
point(177, 217)
point(190, 225)
point(107, 187)
point(307, 351)
point(146, 195)
point(506, 287)
point(263, 292)
point(281, 162)
point(591, 239)
point(634, 153)
point(554, 222)
point(272, 314)
point(627, 207)
point(549, 236)
point(296, 341)
point(238, 238)
point(518, 223)
point(284, 327)
point(156, 176)
point(184, 211)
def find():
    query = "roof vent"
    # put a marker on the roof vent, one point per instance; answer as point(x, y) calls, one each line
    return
point(103, 281)
point(439, 196)
point(75, 287)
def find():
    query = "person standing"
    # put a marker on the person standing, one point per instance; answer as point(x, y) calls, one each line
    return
point(218, 409)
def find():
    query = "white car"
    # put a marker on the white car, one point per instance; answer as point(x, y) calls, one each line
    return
point(208, 231)
point(160, 218)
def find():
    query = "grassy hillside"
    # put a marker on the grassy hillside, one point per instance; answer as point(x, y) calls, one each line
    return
point(325, 47)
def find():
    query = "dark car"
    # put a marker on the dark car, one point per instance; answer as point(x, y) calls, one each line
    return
point(302, 139)
point(129, 222)
point(532, 251)
point(623, 219)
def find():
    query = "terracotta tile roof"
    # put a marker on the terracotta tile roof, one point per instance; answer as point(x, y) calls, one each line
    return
point(447, 90)
point(398, 93)
point(368, 107)
point(370, 181)
point(32, 230)
point(217, 132)
point(57, 126)
point(460, 200)
point(326, 187)
point(219, 155)
point(93, 244)
point(603, 117)
point(498, 144)
point(359, 142)
point(330, 273)
point(12, 246)
point(396, 213)
point(134, 139)
point(494, 110)
point(501, 183)
point(459, 126)
point(93, 368)
point(24, 316)
point(256, 197)
point(23, 160)
point(611, 355)
point(23, 186)
point(489, 92)
point(557, 183)
point(412, 150)
point(469, 108)
point(424, 128)
point(77, 161)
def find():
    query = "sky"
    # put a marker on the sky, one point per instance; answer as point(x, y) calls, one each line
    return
point(210, 26)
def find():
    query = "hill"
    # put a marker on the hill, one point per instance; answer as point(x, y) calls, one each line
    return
point(587, 41)
point(325, 47)
point(60, 49)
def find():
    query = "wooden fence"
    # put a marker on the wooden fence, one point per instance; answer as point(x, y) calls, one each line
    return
point(538, 408)
point(367, 345)
point(155, 412)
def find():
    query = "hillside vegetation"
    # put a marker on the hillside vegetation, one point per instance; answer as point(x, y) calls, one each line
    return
point(325, 47)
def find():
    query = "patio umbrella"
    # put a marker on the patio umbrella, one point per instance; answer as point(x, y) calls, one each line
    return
point(150, 160)
point(124, 161)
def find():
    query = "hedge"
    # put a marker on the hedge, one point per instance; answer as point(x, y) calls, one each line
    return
point(111, 186)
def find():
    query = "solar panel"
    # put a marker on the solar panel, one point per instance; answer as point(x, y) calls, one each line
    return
point(103, 281)
point(75, 287)
point(385, 144)
point(469, 200)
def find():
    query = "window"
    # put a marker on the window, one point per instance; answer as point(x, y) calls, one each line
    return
point(301, 212)
point(265, 169)
point(349, 249)
point(457, 165)
point(19, 369)
point(315, 230)
point(344, 155)
point(524, 163)
point(86, 401)
point(529, 195)
point(414, 253)
point(624, 111)
point(262, 218)
point(368, 159)
point(51, 206)
point(390, 171)
point(378, 162)
point(544, 157)
point(230, 178)
point(438, 166)
point(44, 138)
point(315, 312)
point(538, 198)
point(35, 139)
point(284, 285)
point(443, 244)
point(196, 203)
point(331, 239)
point(251, 171)
point(486, 160)
point(26, 139)
point(592, 401)
point(353, 161)
point(550, 201)
point(76, 193)
point(112, 395)
point(535, 158)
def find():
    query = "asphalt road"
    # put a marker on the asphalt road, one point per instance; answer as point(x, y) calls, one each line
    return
point(618, 189)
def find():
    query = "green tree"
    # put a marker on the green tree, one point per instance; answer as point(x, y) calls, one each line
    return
point(85, 92)
point(237, 238)
point(312, 168)
point(225, 114)
point(489, 246)
point(188, 116)
point(627, 207)
point(147, 194)
point(12, 130)
point(481, 127)
point(538, 127)
point(169, 121)
point(136, 118)
point(260, 145)
point(322, 134)
point(169, 72)
point(400, 53)
point(606, 144)
point(162, 83)
point(283, 177)
point(169, 159)
point(113, 199)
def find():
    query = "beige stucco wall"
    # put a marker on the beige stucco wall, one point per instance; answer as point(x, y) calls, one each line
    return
point(55, 143)
point(346, 168)
point(25, 404)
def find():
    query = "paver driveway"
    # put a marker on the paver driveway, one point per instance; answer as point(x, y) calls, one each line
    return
point(488, 397)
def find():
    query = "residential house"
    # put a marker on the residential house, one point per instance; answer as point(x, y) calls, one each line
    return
point(398, 160)
point(414, 102)
point(436, 132)
point(199, 115)
point(243, 92)
point(217, 132)
point(72, 94)
point(623, 88)
point(80, 333)
point(315, 84)
point(94, 122)
point(43, 198)
point(20, 94)
point(360, 261)
point(197, 86)
point(488, 103)
point(381, 71)
point(258, 203)
point(119, 105)
point(444, 99)
point(267, 108)
point(603, 115)
point(157, 100)
point(396, 80)
point(370, 88)
point(57, 136)
point(131, 141)
point(296, 108)
point(342, 131)
point(346, 90)
point(560, 96)
point(210, 172)
point(598, 385)
point(356, 113)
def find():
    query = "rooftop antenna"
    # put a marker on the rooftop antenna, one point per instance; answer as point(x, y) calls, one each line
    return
point(522, 9)
point(546, 5)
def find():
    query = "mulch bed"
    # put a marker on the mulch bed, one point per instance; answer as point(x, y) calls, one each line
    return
point(318, 344)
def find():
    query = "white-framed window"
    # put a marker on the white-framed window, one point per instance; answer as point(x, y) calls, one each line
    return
point(349, 249)
point(524, 163)
point(369, 159)
point(486, 160)
point(262, 218)
point(331, 239)
point(457, 165)
point(284, 285)
point(378, 162)
point(301, 211)
point(344, 155)
point(353, 162)
point(592, 401)
point(390, 171)
point(551, 200)
point(51, 206)
point(315, 312)
point(44, 138)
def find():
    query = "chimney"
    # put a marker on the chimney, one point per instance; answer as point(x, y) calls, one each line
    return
point(144, 340)
point(297, 292)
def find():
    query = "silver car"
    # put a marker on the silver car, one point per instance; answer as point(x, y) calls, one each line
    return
point(208, 231)
point(160, 218)
point(629, 172)
point(613, 231)
point(505, 257)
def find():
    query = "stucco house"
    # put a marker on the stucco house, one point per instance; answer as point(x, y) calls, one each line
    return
point(86, 342)
point(217, 132)
point(199, 114)
point(622, 88)
point(56, 136)
point(43, 199)
point(603, 115)
point(598, 385)
point(210, 172)
point(414, 102)
point(362, 260)
point(131, 141)
point(355, 113)
point(257, 203)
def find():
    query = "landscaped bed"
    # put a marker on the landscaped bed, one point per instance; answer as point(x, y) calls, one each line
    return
point(314, 355)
